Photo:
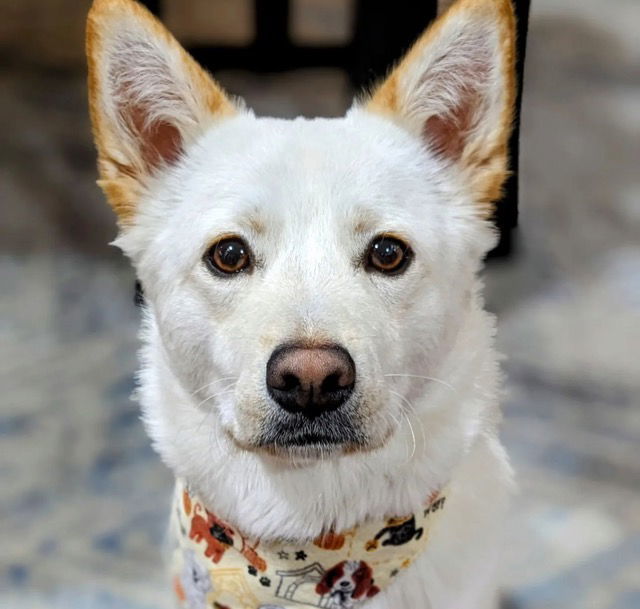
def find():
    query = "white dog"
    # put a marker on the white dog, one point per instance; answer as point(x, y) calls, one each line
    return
point(316, 353)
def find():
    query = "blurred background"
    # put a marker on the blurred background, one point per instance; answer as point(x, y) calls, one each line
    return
point(84, 499)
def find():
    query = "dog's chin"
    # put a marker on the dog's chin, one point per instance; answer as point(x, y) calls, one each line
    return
point(303, 455)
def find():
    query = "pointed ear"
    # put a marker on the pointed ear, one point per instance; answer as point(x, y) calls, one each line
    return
point(148, 99)
point(456, 88)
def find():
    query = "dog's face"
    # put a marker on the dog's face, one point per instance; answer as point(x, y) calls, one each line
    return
point(300, 273)
point(349, 579)
point(345, 582)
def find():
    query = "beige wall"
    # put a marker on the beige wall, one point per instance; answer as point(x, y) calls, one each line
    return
point(48, 32)
point(51, 32)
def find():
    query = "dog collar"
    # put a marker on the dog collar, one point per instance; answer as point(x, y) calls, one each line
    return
point(215, 565)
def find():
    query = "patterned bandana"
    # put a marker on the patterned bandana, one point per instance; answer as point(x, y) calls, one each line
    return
point(215, 566)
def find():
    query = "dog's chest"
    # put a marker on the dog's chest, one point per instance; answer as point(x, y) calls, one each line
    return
point(215, 565)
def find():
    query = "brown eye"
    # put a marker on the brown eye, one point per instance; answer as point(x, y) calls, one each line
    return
point(228, 256)
point(388, 255)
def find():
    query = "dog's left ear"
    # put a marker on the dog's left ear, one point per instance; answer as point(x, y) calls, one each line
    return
point(455, 89)
point(148, 99)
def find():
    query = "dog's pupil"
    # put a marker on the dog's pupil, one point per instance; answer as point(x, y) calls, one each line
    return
point(388, 252)
point(231, 254)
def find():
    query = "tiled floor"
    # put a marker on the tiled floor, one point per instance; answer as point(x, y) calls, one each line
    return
point(84, 499)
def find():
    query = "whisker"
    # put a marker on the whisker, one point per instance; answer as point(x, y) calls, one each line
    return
point(411, 410)
point(227, 389)
point(404, 414)
point(413, 437)
point(218, 437)
point(426, 378)
point(398, 426)
point(209, 412)
point(224, 378)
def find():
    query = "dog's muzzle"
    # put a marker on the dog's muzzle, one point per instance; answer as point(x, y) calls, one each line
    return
point(312, 388)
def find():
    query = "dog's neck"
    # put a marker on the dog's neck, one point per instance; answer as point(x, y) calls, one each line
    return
point(215, 562)
point(264, 498)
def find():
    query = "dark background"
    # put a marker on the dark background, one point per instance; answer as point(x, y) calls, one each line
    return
point(84, 500)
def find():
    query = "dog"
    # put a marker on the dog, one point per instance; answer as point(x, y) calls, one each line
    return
point(217, 535)
point(398, 532)
point(346, 583)
point(316, 353)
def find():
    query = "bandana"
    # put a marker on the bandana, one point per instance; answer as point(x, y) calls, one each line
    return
point(215, 566)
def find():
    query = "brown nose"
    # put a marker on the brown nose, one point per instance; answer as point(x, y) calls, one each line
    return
point(310, 381)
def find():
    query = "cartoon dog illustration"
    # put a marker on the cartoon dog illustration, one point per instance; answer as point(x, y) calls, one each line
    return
point(252, 556)
point(398, 532)
point(217, 534)
point(347, 583)
point(195, 581)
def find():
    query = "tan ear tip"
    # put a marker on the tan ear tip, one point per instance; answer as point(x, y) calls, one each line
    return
point(485, 6)
point(104, 8)
point(101, 6)
point(99, 10)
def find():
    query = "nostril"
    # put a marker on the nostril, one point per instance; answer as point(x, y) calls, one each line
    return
point(331, 384)
point(289, 382)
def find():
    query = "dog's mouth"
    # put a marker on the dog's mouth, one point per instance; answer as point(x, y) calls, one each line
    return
point(300, 449)
point(296, 440)
point(305, 454)
point(300, 432)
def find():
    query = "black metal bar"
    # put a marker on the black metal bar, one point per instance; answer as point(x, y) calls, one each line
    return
point(155, 6)
point(272, 24)
point(253, 59)
point(506, 214)
point(383, 33)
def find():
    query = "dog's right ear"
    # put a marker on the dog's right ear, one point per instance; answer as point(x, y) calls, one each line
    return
point(455, 90)
point(148, 99)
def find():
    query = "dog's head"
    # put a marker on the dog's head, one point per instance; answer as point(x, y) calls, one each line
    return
point(300, 275)
point(349, 578)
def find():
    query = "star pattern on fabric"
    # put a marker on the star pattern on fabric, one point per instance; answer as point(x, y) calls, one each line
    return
point(265, 581)
point(282, 555)
point(301, 555)
point(252, 570)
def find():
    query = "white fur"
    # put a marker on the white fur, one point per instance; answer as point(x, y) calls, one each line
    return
point(421, 342)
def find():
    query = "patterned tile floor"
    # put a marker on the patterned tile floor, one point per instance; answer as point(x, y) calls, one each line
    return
point(84, 499)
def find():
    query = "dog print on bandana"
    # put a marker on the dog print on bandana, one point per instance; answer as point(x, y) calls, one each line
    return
point(215, 566)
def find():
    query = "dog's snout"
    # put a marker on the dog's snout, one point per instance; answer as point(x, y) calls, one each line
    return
point(310, 380)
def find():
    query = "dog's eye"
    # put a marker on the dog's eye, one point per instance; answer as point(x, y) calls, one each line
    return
point(228, 256)
point(388, 255)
